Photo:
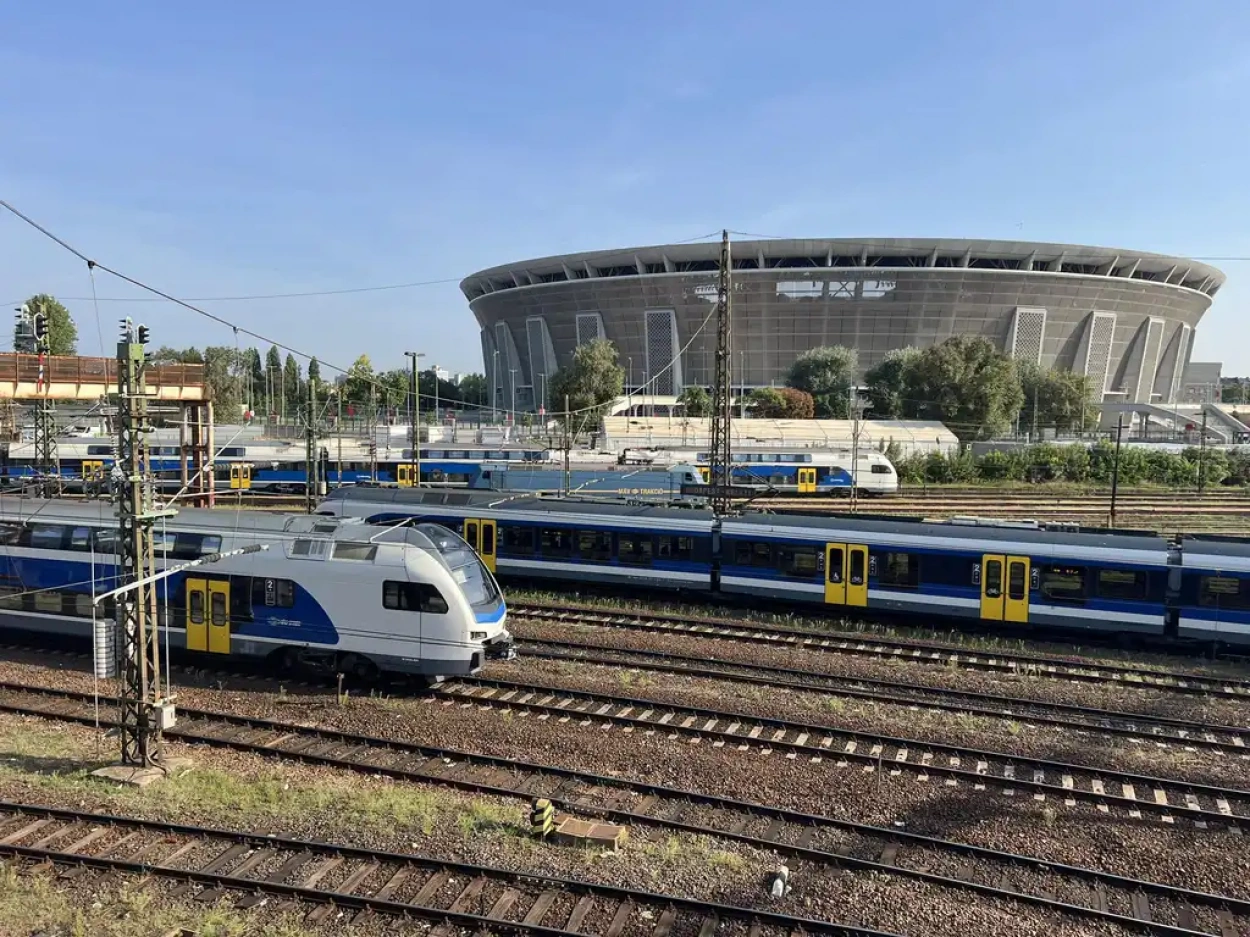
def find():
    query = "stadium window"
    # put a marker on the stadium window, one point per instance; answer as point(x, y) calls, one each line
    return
point(1122, 584)
point(800, 562)
point(634, 549)
point(1062, 583)
point(898, 569)
point(1224, 592)
point(516, 541)
point(413, 597)
point(553, 541)
point(594, 545)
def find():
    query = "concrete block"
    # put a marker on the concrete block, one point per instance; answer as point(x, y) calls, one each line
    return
point(570, 831)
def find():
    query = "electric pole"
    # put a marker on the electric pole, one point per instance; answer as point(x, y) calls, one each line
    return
point(47, 466)
point(1202, 455)
point(1115, 468)
point(568, 445)
point(311, 475)
point(857, 408)
point(721, 461)
point(145, 710)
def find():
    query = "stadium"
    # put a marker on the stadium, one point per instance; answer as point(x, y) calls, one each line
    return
point(1125, 318)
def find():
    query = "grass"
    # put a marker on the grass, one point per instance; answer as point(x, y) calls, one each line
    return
point(55, 761)
point(36, 903)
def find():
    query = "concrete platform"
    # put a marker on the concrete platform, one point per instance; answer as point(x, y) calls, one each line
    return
point(570, 831)
point(130, 776)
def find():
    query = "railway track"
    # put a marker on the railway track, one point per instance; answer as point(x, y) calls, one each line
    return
point(1139, 905)
point(912, 651)
point(1163, 730)
point(211, 863)
point(1203, 804)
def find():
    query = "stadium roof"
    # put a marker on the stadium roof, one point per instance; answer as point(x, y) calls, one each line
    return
point(848, 253)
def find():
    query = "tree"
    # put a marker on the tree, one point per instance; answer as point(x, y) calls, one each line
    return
point(826, 373)
point(592, 380)
point(886, 383)
point(1233, 393)
point(965, 383)
point(696, 400)
point(358, 380)
point(62, 333)
point(1056, 399)
point(314, 374)
point(766, 403)
point(433, 387)
point(292, 382)
point(222, 378)
point(799, 404)
point(473, 389)
point(273, 379)
point(254, 378)
point(167, 355)
point(394, 388)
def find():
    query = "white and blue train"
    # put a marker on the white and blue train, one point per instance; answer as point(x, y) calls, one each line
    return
point(1016, 573)
point(328, 594)
point(803, 472)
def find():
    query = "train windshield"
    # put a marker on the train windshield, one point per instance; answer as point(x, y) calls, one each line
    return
point(466, 568)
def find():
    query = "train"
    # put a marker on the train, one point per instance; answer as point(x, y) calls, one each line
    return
point(650, 485)
point(1011, 574)
point(328, 595)
point(802, 472)
point(279, 467)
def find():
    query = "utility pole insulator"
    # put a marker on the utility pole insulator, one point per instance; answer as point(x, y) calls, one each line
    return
point(721, 461)
point(145, 711)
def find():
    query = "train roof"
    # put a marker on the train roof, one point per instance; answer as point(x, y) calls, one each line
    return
point(980, 529)
point(1215, 545)
point(503, 501)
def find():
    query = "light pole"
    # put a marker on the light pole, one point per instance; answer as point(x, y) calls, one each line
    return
point(512, 398)
point(437, 421)
point(494, 387)
point(629, 392)
point(414, 414)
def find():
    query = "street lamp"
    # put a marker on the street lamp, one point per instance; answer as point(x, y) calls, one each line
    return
point(512, 397)
point(414, 413)
point(494, 387)
point(629, 392)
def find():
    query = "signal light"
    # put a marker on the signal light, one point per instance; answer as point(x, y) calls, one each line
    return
point(144, 334)
point(41, 326)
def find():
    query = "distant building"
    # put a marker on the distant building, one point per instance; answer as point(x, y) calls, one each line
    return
point(1201, 383)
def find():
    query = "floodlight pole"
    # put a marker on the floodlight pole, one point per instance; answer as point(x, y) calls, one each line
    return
point(721, 461)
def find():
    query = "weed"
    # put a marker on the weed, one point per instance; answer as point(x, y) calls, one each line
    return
point(726, 860)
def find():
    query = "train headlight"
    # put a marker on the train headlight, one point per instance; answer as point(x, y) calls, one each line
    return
point(477, 635)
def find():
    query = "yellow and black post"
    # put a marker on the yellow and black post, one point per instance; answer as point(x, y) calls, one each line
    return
point(542, 818)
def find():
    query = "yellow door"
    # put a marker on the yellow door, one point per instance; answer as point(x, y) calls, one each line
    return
point(706, 472)
point(218, 617)
point(92, 470)
point(1016, 605)
point(835, 573)
point(486, 545)
point(992, 588)
point(807, 480)
point(403, 475)
point(197, 615)
point(245, 476)
point(857, 575)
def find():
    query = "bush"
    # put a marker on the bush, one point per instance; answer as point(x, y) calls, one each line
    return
point(1045, 463)
point(997, 466)
point(1076, 463)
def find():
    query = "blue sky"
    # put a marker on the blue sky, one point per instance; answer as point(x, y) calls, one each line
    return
point(240, 148)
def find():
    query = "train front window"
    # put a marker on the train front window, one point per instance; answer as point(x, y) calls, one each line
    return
point(464, 563)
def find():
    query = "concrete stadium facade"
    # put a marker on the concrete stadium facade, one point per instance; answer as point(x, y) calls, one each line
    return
point(1125, 318)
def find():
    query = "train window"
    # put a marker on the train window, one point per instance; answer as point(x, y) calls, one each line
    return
point(516, 541)
point(240, 598)
point(207, 545)
point(555, 542)
point(799, 561)
point(106, 540)
point(1017, 582)
point(594, 545)
point(858, 573)
point(1122, 584)
point(994, 578)
point(879, 469)
point(80, 538)
point(1224, 592)
point(273, 593)
point(413, 597)
point(742, 552)
point(163, 543)
point(762, 554)
point(675, 548)
point(898, 569)
point(488, 539)
point(197, 607)
point(48, 602)
point(634, 549)
point(217, 605)
point(360, 552)
point(10, 533)
point(1062, 583)
point(46, 536)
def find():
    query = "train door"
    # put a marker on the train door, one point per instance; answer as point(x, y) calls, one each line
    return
point(480, 534)
point(846, 574)
point(197, 614)
point(240, 476)
point(807, 481)
point(1016, 604)
point(706, 472)
point(403, 475)
point(92, 469)
point(218, 616)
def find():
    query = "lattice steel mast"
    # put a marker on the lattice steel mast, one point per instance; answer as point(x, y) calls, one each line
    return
point(47, 466)
point(144, 707)
point(721, 461)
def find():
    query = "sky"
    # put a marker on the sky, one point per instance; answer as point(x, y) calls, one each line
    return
point(236, 149)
